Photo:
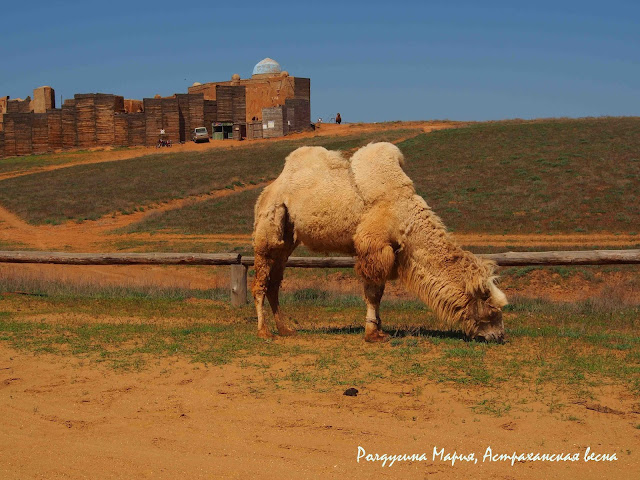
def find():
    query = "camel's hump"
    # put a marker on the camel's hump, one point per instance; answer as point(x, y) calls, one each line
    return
point(314, 157)
point(383, 153)
point(378, 174)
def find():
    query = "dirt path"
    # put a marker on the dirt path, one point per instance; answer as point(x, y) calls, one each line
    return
point(90, 235)
point(65, 418)
point(605, 240)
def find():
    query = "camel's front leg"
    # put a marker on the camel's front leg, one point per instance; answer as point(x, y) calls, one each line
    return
point(373, 326)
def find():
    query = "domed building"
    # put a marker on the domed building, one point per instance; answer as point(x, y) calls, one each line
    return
point(270, 103)
point(266, 68)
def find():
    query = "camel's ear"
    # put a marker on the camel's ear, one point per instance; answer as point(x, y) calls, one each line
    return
point(487, 291)
point(498, 298)
point(485, 287)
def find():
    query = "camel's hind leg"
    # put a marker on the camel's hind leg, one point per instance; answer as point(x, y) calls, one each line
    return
point(373, 324)
point(273, 288)
point(273, 243)
point(262, 266)
point(269, 273)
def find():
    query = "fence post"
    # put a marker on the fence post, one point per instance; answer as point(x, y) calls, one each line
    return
point(238, 285)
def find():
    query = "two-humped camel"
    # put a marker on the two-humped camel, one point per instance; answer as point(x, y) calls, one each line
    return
point(368, 207)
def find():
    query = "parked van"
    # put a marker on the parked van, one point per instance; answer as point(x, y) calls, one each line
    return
point(200, 134)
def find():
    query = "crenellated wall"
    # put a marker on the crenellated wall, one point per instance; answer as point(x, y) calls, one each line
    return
point(97, 119)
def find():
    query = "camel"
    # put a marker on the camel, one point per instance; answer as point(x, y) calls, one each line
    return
point(367, 207)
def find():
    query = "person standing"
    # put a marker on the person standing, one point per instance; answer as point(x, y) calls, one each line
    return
point(338, 119)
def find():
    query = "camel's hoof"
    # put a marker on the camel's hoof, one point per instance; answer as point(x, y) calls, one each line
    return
point(377, 337)
point(266, 334)
point(286, 332)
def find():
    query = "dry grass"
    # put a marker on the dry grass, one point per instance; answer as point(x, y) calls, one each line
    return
point(29, 162)
point(84, 192)
point(572, 347)
point(530, 177)
point(232, 214)
point(541, 176)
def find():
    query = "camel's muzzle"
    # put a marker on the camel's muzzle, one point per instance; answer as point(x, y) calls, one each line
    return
point(490, 338)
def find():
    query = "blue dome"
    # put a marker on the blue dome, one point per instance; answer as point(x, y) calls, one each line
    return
point(267, 66)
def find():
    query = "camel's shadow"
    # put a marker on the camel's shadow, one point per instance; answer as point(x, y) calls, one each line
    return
point(399, 332)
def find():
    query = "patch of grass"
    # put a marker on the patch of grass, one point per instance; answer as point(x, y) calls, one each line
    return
point(492, 406)
point(30, 162)
point(550, 169)
point(6, 245)
point(473, 184)
point(93, 190)
point(550, 347)
point(468, 351)
point(519, 271)
point(129, 346)
point(79, 291)
point(230, 214)
point(573, 418)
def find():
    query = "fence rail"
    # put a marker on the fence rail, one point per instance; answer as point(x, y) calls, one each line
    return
point(507, 259)
point(240, 264)
point(583, 257)
point(64, 258)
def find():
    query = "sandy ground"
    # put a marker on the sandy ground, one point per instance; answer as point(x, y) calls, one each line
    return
point(63, 417)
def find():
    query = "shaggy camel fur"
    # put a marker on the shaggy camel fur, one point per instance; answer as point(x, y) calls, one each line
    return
point(368, 207)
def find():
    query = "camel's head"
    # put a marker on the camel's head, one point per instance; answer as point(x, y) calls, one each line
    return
point(483, 315)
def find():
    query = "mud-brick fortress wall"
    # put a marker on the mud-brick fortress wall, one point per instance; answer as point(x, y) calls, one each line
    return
point(177, 116)
point(269, 104)
point(97, 119)
point(260, 92)
point(87, 120)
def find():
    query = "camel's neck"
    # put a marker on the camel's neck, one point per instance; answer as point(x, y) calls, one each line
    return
point(431, 264)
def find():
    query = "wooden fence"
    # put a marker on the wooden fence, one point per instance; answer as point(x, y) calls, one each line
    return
point(240, 264)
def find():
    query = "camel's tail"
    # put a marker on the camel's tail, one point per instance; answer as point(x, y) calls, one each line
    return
point(271, 218)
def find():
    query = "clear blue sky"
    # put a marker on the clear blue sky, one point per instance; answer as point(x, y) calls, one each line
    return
point(371, 61)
